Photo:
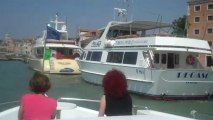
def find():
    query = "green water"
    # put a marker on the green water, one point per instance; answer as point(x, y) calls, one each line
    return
point(14, 77)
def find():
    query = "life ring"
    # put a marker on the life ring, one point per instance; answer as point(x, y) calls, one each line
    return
point(190, 60)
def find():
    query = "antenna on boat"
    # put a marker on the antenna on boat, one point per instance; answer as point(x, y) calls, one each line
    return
point(56, 21)
point(122, 12)
point(65, 28)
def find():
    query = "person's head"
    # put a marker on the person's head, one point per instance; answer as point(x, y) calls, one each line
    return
point(39, 83)
point(114, 83)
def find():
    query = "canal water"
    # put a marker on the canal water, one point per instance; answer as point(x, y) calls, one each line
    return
point(15, 75)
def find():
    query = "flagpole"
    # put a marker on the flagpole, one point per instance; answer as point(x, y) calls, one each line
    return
point(51, 33)
point(45, 39)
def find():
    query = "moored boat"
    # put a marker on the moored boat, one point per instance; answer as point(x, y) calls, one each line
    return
point(53, 52)
point(158, 66)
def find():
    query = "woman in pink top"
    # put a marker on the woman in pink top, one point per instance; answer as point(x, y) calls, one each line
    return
point(36, 105)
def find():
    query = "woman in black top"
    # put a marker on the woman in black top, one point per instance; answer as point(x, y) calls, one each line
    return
point(116, 100)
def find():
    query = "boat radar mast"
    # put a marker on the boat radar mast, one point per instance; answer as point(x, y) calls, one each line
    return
point(121, 14)
point(56, 22)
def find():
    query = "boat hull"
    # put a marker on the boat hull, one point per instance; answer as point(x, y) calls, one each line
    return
point(160, 84)
point(61, 66)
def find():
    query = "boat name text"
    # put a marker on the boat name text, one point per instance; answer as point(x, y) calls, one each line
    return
point(192, 75)
point(131, 42)
point(138, 71)
point(96, 43)
point(64, 63)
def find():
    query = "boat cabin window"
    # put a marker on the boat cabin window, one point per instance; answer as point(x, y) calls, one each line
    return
point(148, 59)
point(39, 52)
point(96, 56)
point(130, 58)
point(112, 34)
point(63, 53)
point(169, 60)
point(92, 55)
point(82, 55)
point(163, 58)
point(89, 55)
point(63, 36)
point(177, 59)
point(209, 60)
point(101, 33)
point(119, 34)
point(115, 57)
point(156, 58)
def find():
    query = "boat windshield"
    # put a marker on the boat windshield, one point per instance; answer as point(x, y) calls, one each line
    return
point(176, 60)
point(38, 52)
point(101, 33)
point(118, 34)
point(59, 53)
point(65, 53)
point(137, 29)
point(64, 36)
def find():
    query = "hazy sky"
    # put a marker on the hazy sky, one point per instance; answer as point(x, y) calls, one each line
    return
point(28, 18)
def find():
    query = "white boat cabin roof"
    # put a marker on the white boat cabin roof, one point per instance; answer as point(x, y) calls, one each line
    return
point(58, 44)
point(166, 44)
point(132, 38)
point(138, 25)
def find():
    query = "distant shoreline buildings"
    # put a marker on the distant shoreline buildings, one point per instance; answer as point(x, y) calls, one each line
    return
point(16, 47)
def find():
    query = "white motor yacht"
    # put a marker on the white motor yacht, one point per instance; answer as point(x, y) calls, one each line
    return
point(53, 52)
point(158, 65)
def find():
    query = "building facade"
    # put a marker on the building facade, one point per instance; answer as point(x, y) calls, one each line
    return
point(16, 47)
point(200, 24)
point(24, 47)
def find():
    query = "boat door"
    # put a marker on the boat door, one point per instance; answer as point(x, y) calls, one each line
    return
point(170, 61)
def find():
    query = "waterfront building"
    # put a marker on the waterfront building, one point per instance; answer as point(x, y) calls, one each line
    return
point(200, 25)
point(16, 46)
point(2, 47)
point(24, 47)
point(9, 44)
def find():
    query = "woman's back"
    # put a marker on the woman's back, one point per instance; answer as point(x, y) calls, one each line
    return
point(118, 105)
point(38, 107)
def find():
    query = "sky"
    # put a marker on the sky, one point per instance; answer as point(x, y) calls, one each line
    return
point(28, 18)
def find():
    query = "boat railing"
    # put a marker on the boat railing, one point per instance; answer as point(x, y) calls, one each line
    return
point(11, 102)
point(8, 104)
point(78, 99)
point(137, 36)
point(137, 109)
point(200, 116)
point(127, 36)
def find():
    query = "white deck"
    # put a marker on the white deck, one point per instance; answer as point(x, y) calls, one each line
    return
point(70, 111)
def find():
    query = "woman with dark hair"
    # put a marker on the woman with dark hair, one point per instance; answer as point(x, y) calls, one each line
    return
point(37, 105)
point(116, 100)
